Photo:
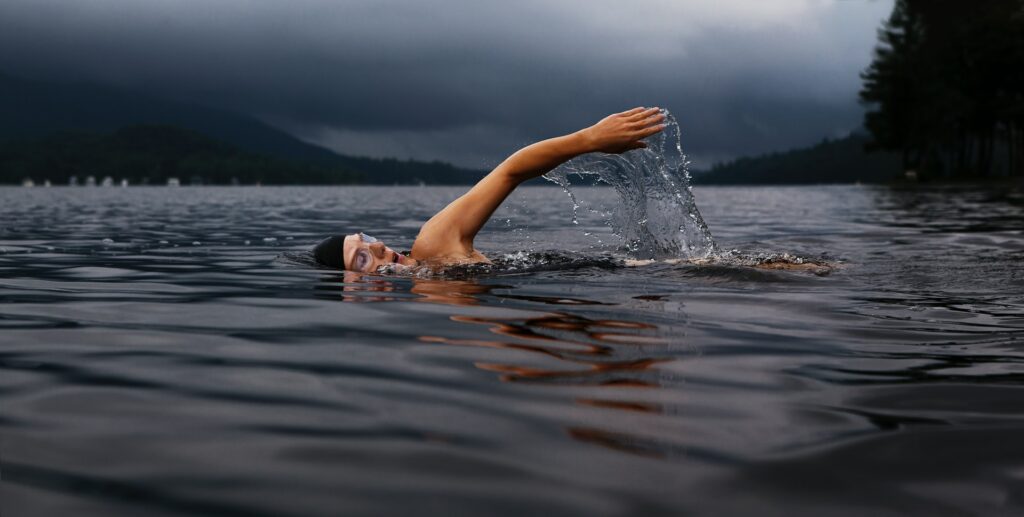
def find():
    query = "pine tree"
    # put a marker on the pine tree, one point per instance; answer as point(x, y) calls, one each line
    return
point(946, 86)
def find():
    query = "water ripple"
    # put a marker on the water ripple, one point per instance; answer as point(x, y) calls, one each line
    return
point(175, 352)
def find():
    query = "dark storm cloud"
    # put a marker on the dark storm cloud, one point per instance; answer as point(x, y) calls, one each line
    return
point(468, 81)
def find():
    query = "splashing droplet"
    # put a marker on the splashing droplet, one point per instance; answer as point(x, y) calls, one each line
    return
point(656, 214)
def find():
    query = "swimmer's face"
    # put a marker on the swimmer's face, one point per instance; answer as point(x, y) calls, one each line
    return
point(365, 254)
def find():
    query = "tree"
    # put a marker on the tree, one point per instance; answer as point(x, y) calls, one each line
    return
point(945, 87)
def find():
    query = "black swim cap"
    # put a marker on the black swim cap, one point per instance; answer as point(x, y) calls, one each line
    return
point(330, 252)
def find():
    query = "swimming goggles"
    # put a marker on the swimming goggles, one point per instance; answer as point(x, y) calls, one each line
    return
point(362, 259)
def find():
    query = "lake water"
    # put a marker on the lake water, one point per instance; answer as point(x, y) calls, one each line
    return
point(172, 352)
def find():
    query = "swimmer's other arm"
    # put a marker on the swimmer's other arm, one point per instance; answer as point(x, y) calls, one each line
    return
point(451, 231)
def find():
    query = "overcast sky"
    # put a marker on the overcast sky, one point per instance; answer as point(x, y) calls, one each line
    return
point(468, 81)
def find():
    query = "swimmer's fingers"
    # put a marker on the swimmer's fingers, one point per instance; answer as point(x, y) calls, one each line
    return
point(643, 113)
point(629, 113)
point(649, 121)
point(648, 131)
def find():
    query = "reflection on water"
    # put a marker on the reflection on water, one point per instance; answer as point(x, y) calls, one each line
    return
point(585, 352)
point(572, 349)
point(176, 353)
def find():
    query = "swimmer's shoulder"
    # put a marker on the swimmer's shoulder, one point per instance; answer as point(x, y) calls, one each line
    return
point(452, 258)
point(440, 243)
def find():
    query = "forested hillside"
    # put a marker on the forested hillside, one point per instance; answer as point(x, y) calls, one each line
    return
point(831, 161)
point(151, 155)
point(41, 114)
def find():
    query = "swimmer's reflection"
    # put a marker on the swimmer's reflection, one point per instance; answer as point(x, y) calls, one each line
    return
point(587, 351)
point(574, 350)
point(563, 348)
point(358, 287)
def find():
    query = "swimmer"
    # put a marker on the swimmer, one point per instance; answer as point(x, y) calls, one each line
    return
point(447, 238)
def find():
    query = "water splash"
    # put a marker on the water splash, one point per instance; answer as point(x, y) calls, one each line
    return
point(656, 215)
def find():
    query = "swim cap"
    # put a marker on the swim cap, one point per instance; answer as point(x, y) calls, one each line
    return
point(330, 252)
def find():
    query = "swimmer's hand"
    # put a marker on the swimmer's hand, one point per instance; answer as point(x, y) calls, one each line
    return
point(624, 131)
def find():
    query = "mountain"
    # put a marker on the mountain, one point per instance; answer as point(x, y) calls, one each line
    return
point(831, 161)
point(153, 155)
point(31, 110)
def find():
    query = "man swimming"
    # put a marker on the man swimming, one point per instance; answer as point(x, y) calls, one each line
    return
point(447, 238)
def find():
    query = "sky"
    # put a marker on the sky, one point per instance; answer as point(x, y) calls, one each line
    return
point(470, 81)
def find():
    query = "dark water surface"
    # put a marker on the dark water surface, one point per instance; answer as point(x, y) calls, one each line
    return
point(195, 364)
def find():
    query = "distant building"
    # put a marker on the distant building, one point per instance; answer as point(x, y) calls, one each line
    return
point(108, 181)
point(27, 182)
point(90, 181)
point(173, 182)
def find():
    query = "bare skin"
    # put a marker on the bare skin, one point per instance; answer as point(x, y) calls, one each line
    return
point(812, 266)
point(447, 238)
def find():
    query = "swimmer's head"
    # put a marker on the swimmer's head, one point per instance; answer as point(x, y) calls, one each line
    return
point(357, 252)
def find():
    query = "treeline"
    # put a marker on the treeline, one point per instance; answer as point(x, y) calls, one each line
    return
point(31, 110)
point(392, 171)
point(946, 87)
point(152, 154)
point(830, 161)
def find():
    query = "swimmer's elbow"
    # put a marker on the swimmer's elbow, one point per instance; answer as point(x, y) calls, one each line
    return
point(540, 158)
point(519, 168)
point(510, 177)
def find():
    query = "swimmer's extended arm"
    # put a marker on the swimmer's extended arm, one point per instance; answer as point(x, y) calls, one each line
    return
point(451, 231)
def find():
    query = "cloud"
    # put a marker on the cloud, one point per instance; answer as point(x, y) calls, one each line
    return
point(463, 80)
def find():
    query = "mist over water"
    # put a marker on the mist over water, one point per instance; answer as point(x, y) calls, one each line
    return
point(655, 213)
